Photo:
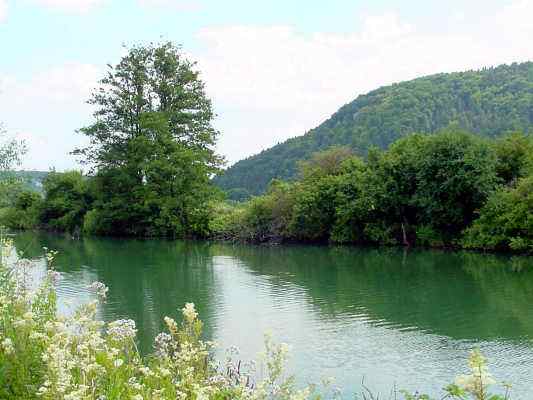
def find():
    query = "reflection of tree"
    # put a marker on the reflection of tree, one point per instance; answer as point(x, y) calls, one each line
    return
point(147, 279)
point(461, 295)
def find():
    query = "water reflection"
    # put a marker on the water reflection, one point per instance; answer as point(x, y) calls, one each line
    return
point(487, 296)
point(391, 316)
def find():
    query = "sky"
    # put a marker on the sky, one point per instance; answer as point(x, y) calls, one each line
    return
point(273, 68)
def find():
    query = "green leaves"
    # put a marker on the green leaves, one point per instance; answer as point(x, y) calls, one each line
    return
point(10, 151)
point(426, 189)
point(506, 221)
point(152, 146)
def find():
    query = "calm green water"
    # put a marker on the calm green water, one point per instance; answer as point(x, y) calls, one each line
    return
point(385, 315)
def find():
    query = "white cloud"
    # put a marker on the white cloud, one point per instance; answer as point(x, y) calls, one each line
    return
point(176, 5)
point(269, 83)
point(70, 6)
point(283, 82)
point(3, 10)
point(46, 109)
point(57, 85)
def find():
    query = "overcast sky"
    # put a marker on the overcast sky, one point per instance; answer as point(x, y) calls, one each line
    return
point(274, 68)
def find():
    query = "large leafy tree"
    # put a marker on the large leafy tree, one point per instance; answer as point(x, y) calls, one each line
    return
point(514, 154)
point(456, 175)
point(151, 145)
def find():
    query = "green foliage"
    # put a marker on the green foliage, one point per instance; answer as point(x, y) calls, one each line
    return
point(262, 219)
point(515, 157)
point(238, 194)
point(314, 205)
point(152, 147)
point(423, 184)
point(425, 189)
point(506, 221)
point(17, 209)
point(489, 103)
point(24, 212)
point(456, 174)
point(314, 209)
point(66, 201)
point(355, 206)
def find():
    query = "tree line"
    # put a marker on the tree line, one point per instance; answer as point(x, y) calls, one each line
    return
point(449, 189)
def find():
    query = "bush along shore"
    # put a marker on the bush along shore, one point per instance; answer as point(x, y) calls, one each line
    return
point(44, 355)
point(451, 189)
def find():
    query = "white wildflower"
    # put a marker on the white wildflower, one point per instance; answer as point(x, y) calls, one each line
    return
point(118, 362)
point(480, 377)
point(37, 336)
point(50, 255)
point(284, 348)
point(28, 316)
point(122, 330)
point(7, 345)
point(20, 323)
point(189, 312)
point(99, 288)
point(171, 324)
point(162, 344)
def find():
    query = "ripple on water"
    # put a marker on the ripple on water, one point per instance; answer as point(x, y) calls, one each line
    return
point(387, 316)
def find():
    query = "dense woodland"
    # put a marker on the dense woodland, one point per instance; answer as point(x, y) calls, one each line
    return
point(151, 161)
point(490, 102)
point(450, 189)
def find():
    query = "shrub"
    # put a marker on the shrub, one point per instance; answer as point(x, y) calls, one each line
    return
point(24, 213)
point(262, 219)
point(506, 221)
point(66, 201)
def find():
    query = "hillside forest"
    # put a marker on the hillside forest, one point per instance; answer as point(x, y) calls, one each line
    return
point(489, 103)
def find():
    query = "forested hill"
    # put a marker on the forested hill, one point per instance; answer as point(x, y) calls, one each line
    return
point(32, 180)
point(488, 102)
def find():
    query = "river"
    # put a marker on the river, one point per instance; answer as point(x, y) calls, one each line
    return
point(389, 316)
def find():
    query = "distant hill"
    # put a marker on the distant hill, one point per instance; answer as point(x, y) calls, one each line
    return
point(488, 102)
point(33, 180)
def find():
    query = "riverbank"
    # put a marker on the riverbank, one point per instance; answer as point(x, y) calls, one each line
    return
point(447, 190)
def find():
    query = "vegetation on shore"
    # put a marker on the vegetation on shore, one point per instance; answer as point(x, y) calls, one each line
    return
point(450, 189)
point(151, 162)
point(44, 355)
